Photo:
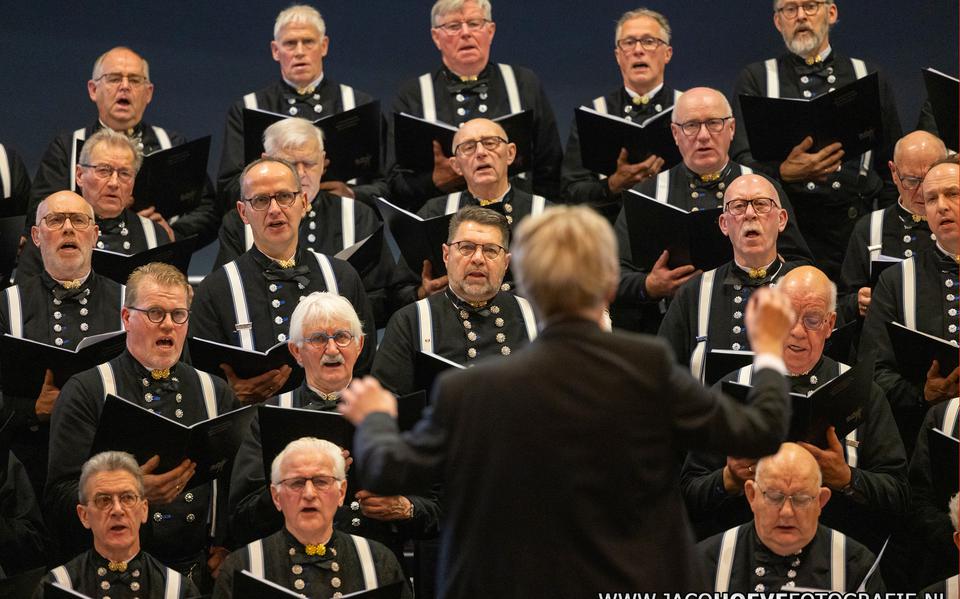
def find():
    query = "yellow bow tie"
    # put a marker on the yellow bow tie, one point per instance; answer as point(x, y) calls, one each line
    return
point(757, 273)
point(306, 90)
point(158, 374)
point(812, 60)
point(917, 218)
point(466, 78)
point(286, 263)
point(484, 203)
point(117, 566)
point(638, 100)
point(710, 177)
point(74, 284)
point(319, 549)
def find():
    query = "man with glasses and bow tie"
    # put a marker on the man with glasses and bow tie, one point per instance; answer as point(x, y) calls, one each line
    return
point(785, 546)
point(183, 532)
point(65, 302)
point(829, 189)
point(472, 318)
point(308, 555)
point(708, 310)
point(248, 302)
point(113, 506)
point(642, 49)
point(468, 86)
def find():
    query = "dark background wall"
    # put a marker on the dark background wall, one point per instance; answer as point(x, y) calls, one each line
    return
point(204, 55)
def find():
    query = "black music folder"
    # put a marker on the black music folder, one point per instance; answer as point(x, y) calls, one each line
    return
point(838, 403)
point(721, 362)
point(944, 465)
point(208, 355)
point(279, 426)
point(414, 137)
point(879, 265)
point(365, 254)
point(125, 426)
point(602, 136)
point(351, 139)
point(916, 351)
point(117, 266)
point(840, 342)
point(246, 584)
point(849, 115)
point(419, 239)
point(942, 91)
point(427, 366)
point(25, 362)
point(691, 237)
point(173, 180)
point(53, 590)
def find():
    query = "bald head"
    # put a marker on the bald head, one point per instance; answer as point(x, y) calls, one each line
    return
point(809, 280)
point(476, 128)
point(700, 97)
point(792, 462)
point(63, 201)
point(752, 234)
point(921, 144)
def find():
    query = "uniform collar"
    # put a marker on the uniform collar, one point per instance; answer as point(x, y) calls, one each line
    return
point(821, 372)
point(308, 89)
point(461, 304)
point(946, 260)
point(740, 274)
point(648, 97)
point(909, 219)
point(710, 180)
point(492, 203)
point(265, 262)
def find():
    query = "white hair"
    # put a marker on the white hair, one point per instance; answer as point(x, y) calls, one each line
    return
point(324, 308)
point(289, 134)
point(639, 13)
point(300, 14)
point(113, 139)
point(109, 461)
point(309, 445)
point(445, 7)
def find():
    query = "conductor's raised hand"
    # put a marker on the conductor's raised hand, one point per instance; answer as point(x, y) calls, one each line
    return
point(769, 319)
point(365, 396)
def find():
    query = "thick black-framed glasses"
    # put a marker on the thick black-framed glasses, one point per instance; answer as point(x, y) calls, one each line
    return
point(157, 315)
point(909, 183)
point(691, 128)
point(261, 202)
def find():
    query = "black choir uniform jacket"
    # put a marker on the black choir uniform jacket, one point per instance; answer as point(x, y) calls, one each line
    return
point(57, 172)
point(338, 571)
point(56, 316)
point(460, 332)
point(253, 514)
point(583, 186)
point(175, 533)
point(633, 310)
point(126, 234)
point(757, 569)
point(145, 577)
point(271, 301)
point(943, 588)
point(281, 98)
point(732, 288)
point(613, 411)
point(878, 494)
point(937, 283)
point(14, 182)
point(930, 521)
point(322, 230)
point(826, 212)
point(458, 102)
point(22, 531)
point(901, 236)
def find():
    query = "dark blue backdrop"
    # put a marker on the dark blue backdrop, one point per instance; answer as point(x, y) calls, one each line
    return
point(204, 55)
